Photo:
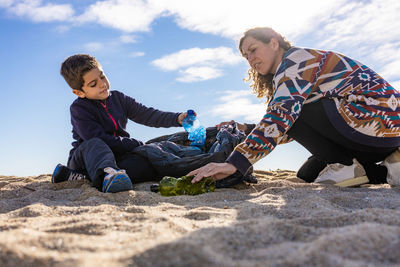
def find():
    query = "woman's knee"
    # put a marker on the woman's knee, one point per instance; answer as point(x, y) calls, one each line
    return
point(310, 169)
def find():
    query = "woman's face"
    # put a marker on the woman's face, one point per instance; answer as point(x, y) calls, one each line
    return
point(262, 57)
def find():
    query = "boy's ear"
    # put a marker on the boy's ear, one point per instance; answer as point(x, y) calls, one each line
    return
point(79, 93)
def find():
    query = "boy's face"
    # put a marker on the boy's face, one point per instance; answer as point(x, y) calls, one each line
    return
point(95, 85)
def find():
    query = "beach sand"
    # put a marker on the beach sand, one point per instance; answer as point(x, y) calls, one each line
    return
point(281, 221)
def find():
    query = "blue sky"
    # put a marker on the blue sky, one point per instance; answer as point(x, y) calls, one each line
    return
point(169, 54)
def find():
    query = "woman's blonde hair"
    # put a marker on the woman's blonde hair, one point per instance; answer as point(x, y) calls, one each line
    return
point(262, 84)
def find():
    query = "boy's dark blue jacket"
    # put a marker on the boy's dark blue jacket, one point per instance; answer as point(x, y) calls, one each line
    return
point(107, 120)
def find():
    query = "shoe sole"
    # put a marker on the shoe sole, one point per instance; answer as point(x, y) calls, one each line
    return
point(354, 182)
point(350, 182)
point(118, 183)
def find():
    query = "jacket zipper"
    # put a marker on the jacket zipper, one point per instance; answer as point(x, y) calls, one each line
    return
point(111, 117)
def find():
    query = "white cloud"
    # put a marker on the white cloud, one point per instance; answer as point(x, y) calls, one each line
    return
point(6, 3)
point(128, 39)
point(227, 18)
point(111, 45)
point(136, 54)
point(368, 30)
point(391, 70)
point(230, 18)
point(62, 28)
point(94, 46)
point(179, 97)
point(386, 51)
point(387, 57)
point(125, 15)
point(197, 74)
point(196, 64)
point(359, 25)
point(350, 25)
point(198, 56)
point(396, 85)
point(363, 24)
point(240, 105)
point(338, 21)
point(42, 13)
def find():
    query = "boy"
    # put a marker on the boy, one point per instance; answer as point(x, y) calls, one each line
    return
point(102, 147)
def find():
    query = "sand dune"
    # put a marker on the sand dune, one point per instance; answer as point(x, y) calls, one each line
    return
point(281, 221)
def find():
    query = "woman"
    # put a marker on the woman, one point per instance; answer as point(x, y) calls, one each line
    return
point(340, 110)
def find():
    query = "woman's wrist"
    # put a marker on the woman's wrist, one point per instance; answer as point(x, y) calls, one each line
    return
point(231, 168)
point(240, 162)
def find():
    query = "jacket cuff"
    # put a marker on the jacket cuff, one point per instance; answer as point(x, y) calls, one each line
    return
point(177, 120)
point(241, 163)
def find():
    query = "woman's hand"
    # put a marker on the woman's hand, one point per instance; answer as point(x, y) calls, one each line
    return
point(241, 127)
point(216, 171)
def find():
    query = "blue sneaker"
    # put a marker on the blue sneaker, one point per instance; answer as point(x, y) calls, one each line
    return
point(62, 173)
point(116, 181)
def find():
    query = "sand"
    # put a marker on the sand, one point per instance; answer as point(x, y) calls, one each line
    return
point(281, 221)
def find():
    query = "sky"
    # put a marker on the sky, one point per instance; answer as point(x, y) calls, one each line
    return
point(172, 55)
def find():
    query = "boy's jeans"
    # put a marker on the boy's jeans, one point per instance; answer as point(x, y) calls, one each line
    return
point(91, 157)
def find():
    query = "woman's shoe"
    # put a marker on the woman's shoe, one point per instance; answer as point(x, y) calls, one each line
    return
point(342, 175)
point(392, 163)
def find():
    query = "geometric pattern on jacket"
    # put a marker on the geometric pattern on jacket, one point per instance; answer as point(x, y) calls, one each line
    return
point(366, 103)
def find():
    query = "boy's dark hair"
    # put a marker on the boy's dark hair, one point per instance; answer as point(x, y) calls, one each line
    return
point(74, 67)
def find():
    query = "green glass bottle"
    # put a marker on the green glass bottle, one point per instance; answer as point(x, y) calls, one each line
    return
point(171, 186)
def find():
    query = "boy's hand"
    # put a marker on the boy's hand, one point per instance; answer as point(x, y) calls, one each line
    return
point(181, 117)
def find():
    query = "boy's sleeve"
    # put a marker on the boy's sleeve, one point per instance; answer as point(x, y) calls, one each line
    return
point(148, 116)
point(292, 90)
point(86, 126)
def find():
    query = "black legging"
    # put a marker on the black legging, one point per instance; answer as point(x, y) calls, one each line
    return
point(314, 131)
